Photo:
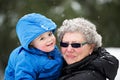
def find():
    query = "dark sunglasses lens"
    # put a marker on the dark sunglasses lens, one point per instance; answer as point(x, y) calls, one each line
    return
point(64, 44)
point(76, 45)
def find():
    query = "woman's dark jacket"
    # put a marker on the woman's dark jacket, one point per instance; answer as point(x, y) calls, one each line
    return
point(100, 65)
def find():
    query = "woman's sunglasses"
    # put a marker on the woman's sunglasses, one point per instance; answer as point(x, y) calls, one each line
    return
point(74, 45)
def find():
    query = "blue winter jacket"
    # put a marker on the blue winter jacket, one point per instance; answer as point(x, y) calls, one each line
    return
point(26, 63)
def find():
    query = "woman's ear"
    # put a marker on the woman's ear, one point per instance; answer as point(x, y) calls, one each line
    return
point(92, 46)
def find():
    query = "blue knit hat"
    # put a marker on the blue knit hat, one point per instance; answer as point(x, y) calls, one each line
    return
point(31, 26)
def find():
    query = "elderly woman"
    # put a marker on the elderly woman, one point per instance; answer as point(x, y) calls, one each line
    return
point(81, 49)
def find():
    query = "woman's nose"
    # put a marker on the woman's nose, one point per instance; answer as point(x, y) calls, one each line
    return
point(69, 48)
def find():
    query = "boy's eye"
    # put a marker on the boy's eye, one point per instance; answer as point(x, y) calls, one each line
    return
point(50, 34)
point(41, 39)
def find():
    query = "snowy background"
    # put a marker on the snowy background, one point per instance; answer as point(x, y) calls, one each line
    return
point(116, 53)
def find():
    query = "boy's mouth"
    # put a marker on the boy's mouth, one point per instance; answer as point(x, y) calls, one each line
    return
point(50, 44)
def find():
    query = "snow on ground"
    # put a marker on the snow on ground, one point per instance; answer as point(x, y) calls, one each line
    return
point(116, 53)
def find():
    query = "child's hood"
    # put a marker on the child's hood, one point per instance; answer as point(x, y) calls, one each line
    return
point(31, 26)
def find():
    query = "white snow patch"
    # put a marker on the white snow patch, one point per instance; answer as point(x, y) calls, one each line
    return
point(116, 53)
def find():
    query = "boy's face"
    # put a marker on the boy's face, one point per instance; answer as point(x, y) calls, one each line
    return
point(46, 42)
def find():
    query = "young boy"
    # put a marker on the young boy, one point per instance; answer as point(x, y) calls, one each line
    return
point(38, 58)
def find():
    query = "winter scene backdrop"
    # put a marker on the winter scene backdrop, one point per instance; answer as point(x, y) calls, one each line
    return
point(116, 53)
point(105, 14)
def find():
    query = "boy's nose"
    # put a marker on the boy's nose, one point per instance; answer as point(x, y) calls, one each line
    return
point(49, 39)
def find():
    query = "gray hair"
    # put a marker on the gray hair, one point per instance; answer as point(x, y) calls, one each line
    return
point(83, 26)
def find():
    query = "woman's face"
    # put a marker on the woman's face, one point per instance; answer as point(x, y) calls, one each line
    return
point(71, 54)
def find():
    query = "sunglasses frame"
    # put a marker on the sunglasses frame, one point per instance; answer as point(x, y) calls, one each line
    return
point(73, 45)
